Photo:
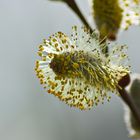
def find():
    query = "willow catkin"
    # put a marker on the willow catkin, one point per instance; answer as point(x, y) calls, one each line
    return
point(75, 70)
point(112, 15)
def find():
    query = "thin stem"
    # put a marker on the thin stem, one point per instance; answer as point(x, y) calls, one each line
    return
point(127, 98)
point(72, 4)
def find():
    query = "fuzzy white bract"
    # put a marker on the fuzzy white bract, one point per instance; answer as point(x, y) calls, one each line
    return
point(75, 70)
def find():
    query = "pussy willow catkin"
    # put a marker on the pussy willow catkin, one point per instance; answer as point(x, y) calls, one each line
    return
point(112, 15)
point(75, 70)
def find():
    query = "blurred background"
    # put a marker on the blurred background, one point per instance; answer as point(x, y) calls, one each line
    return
point(27, 112)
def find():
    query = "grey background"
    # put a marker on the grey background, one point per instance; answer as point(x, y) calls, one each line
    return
point(26, 111)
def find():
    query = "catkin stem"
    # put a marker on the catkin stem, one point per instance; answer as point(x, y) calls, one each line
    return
point(72, 4)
